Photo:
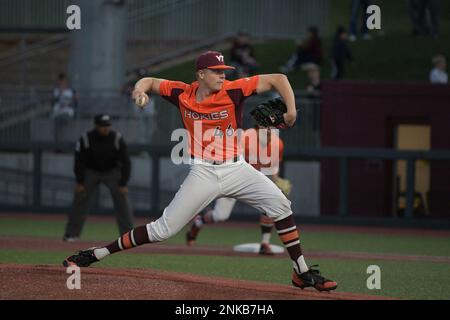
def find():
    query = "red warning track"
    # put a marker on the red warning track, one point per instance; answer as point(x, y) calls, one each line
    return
point(44, 282)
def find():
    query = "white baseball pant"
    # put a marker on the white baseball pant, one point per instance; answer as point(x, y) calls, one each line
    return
point(207, 182)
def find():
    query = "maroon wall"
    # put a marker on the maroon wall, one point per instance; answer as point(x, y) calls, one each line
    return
point(355, 114)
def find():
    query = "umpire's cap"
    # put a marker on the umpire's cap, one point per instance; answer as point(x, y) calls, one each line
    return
point(103, 120)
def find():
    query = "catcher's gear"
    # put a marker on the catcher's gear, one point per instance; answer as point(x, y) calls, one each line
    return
point(270, 113)
point(283, 184)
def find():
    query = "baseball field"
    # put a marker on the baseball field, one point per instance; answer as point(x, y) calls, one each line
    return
point(414, 264)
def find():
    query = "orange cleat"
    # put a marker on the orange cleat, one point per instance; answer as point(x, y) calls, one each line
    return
point(312, 278)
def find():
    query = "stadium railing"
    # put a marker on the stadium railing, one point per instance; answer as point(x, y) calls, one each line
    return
point(157, 152)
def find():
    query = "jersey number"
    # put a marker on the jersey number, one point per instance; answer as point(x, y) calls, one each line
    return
point(219, 133)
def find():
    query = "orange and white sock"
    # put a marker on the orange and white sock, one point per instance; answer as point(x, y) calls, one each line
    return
point(136, 237)
point(288, 233)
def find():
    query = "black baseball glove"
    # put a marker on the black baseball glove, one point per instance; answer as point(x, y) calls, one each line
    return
point(270, 113)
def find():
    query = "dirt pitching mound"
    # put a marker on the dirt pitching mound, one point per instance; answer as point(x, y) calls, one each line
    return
point(44, 282)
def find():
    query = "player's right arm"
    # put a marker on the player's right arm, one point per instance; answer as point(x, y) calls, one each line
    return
point(170, 90)
point(148, 84)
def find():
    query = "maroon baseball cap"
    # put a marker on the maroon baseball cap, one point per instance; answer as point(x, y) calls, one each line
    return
point(211, 60)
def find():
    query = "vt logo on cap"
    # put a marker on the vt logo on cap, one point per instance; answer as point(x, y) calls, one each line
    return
point(212, 60)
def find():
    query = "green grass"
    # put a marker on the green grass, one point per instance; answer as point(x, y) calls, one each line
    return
point(333, 241)
point(394, 56)
point(412, 280)
point(55, 229)
point(224, 236)
point(438, 246)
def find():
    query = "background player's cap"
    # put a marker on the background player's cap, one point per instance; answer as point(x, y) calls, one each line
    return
point(102, 120)
point(211, 60)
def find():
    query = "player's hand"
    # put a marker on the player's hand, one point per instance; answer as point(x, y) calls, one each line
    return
point(289, 118)
point(140, 98)
point(123, 190)
point(80, 188)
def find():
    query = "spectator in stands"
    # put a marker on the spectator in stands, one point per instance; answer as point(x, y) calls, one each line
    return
point(306, 52)
point(64, 103)
point(314, 86)
point(359, 9)
point(242, 57)
point(419, 10)
point(100, 157)
point(65, 98)
point(439, 74)
point(340, 52)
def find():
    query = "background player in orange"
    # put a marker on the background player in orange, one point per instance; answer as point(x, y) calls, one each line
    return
point(211, 111)
point(256, 142)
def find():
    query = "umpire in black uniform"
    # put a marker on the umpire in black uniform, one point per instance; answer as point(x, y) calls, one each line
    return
point(100, 156)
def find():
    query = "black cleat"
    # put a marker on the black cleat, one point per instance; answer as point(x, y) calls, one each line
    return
point(83, 258)
point(312, 278)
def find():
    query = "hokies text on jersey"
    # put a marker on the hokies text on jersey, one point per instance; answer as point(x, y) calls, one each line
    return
point(206, 116)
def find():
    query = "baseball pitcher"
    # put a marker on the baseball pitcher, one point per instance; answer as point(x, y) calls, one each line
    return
point(213, 104)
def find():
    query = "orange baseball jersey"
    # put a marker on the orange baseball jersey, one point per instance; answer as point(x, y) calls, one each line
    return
point(259, 145)
point(212, 123)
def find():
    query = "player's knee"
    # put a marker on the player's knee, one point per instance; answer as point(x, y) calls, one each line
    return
point(280, 209)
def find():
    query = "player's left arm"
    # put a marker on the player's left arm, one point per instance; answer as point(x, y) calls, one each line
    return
point(280, 83)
